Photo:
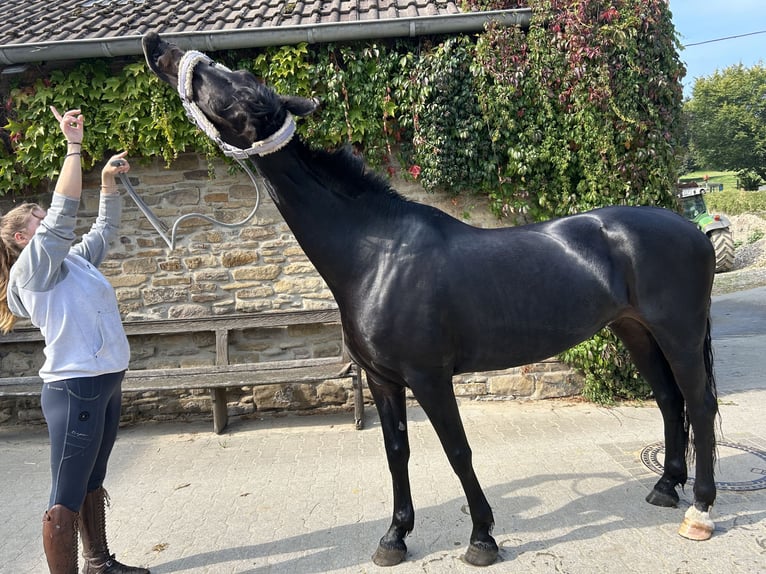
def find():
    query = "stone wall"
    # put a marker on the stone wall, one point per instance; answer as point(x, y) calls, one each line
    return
point(219, 271)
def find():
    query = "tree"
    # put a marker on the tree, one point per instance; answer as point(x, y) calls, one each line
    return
point(727, 120)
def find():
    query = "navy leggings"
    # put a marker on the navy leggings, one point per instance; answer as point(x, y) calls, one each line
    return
point(83, 416)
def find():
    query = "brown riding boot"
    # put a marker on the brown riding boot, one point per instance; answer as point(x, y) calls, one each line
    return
point(95, 551)
point(60, 539)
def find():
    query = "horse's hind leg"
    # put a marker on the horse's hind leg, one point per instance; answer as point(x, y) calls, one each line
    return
point(390, 403)
point(438, 402)
point(691, 377)
point(653, 366)
point(692, 365)
point(698, 386)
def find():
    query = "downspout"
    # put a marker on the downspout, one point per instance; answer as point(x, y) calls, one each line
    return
point(267, 36)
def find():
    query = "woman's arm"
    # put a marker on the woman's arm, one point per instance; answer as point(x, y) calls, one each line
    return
point(48, 248)
point(95, 243)
point(39, 266)
point(69, 183)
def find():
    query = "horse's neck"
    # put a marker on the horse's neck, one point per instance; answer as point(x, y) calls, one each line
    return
point(329, 227)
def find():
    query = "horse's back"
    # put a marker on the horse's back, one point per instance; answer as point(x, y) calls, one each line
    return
point(647, 224)
point(602, 252)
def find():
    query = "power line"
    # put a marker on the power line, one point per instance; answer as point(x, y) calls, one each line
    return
point(726, 38)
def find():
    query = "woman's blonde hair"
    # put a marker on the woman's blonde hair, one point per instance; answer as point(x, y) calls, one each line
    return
point(12, 222)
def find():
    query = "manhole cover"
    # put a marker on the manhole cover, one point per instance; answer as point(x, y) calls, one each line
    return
point(741, 467)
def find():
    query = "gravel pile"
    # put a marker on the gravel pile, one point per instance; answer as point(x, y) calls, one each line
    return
point(750, 251)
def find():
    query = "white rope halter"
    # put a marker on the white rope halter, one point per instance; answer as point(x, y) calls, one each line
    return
point(274, 142)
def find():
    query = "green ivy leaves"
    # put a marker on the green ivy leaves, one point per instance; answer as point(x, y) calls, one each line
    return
point(590, 103)
point(580, 111)
point(125, 109)
point(608, 369)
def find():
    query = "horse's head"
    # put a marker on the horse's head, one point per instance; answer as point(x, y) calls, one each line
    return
point(241, 108)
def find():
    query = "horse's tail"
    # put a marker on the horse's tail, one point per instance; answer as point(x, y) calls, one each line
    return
point(711, 392)
point(710, 386)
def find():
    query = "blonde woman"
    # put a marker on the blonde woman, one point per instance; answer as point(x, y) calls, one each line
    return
point(47, 277)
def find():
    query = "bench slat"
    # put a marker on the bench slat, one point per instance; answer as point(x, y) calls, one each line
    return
point(213, 378)
point(202, 324)
point(244, 375)
point(20, 387)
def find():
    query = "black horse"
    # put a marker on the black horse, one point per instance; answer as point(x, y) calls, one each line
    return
point(423, 296)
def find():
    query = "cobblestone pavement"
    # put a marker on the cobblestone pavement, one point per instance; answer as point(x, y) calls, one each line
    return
point(309, 494)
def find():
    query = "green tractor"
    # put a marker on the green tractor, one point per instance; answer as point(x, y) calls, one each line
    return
point(691, 203)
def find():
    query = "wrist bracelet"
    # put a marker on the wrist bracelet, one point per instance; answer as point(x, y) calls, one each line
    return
point(73, 143)
point(73, 153)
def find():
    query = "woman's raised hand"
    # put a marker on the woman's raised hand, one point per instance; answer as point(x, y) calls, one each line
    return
point(71, 124)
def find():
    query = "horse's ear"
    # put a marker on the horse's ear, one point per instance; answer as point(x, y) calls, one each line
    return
point(299, 106)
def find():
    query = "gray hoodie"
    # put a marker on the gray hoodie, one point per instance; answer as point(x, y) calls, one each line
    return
point(57, 286)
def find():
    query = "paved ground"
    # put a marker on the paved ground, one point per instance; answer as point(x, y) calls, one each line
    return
point(312, 495)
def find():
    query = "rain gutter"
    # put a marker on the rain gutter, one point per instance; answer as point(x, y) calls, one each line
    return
point(266, 36)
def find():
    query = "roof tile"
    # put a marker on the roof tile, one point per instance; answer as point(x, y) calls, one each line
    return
point(37, 21)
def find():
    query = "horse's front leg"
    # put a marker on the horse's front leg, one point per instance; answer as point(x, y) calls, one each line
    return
point(390, 402)
point(438, 402)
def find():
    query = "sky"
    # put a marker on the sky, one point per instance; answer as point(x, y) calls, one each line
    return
point(704, 20)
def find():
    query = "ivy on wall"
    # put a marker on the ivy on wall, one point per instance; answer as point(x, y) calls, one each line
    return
point(586, 107)
point(608, 370)
point(580, 111)
point(124, 110)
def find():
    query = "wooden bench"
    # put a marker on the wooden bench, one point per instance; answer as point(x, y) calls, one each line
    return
point(217, 378)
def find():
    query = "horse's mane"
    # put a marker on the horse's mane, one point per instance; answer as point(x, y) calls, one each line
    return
point(350, 176)
point(340, 170)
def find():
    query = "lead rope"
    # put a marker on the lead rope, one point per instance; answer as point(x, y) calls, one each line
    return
point(168, 234)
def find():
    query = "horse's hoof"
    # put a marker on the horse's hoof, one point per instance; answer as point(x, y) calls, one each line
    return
point(659, 498)
point(481, 553)
point(389, 556)
point(697, 525)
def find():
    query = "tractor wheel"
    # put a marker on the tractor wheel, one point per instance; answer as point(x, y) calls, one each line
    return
point(723, 242)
